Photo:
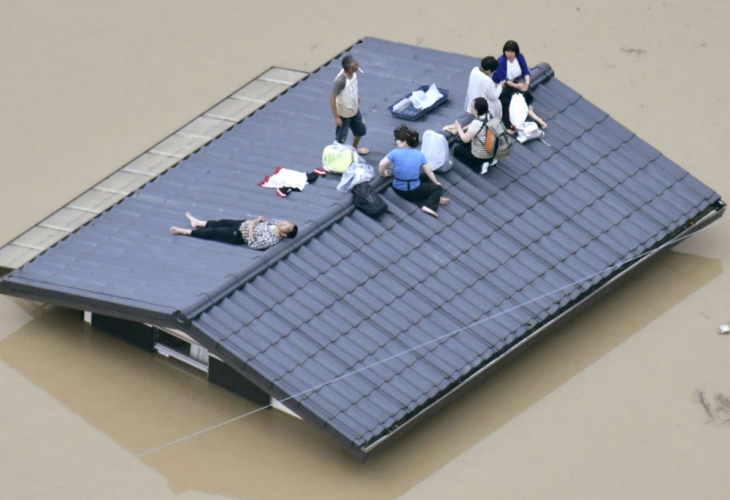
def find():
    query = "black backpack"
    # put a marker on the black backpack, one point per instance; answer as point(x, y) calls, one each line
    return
point(367, 200)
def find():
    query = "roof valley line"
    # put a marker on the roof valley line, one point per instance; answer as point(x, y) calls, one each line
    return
point(348, 324)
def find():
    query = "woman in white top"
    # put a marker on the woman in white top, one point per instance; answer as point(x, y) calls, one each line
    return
point(471, 150)
point(513, 72)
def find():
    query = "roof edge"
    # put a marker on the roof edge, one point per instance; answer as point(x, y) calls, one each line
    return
point(540, 74)
point(95, 303)
point(701, 221)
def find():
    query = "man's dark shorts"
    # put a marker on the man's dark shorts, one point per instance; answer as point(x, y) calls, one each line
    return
point(355, 123)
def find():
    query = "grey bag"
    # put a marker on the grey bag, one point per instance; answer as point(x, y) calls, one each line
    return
point(498, 141)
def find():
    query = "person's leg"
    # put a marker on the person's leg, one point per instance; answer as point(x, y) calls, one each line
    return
point(341, 131)
point(195, 222)
point(223, 223)
point(531, 113)
point(229, 234)
point(432, 193)
point(427, 195)
point(357, 124)
point(462, 152)
point(505, 98)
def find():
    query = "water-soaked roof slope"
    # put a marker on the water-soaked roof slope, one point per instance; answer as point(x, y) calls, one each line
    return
point(424, 303)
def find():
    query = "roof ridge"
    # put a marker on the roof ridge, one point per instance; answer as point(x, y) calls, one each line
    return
point(309, 231)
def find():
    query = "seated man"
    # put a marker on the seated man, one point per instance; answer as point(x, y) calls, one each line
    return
point(482, 85)
point(258, 234)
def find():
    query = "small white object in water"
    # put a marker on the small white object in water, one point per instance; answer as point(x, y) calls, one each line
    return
point(725, 329)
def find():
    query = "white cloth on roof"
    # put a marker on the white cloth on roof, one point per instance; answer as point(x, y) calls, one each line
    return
point(284, 177)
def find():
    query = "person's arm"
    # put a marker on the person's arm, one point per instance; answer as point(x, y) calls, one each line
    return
point(426, 168)
point(252, 225)
point(333, 105)
point(525, 72)
point(263, 240)
point(518, 86)
point(493, 91)
point(500, 74)
point(383, 166)
point(523, 66)
point(465, 134)
point(338, 87)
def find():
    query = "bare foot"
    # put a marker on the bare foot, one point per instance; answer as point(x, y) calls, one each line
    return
point(444, 201)
point(510, 131)
point(179, 231)
point(195, 222)
point(363, 151)
point(542, 124)
point(428, 211)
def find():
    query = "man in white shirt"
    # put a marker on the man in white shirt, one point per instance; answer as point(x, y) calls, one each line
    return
point(481, 85)
point(345, 104)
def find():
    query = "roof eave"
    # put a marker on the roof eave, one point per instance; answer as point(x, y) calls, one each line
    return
point(714, 213)
point(94, 303)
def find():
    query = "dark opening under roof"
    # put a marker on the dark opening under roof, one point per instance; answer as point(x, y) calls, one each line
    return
point(400, 311)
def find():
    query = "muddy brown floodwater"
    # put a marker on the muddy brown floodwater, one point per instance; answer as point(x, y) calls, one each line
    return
point(631, 399)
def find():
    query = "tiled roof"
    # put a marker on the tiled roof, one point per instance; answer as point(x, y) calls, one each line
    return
point(397, 311)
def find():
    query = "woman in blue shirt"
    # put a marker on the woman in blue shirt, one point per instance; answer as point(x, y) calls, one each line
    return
point(413, 179)
point(512, 69)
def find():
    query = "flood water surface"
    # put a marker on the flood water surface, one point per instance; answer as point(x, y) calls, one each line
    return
point(629, 399)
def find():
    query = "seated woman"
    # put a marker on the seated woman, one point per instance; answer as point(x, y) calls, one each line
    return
point(413, 179)
point(258, 234)
point(513, 71)
point(471, 150)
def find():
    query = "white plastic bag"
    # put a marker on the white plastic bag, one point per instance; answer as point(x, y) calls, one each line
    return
point(355, 174)
point(418, 98)
point(423, 100)
point(435, 148)
point(529, 131)
point(402, 105)
point(518, 109)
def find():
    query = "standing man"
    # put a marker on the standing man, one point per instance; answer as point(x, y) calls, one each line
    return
point(481, 85)
point(345, 104)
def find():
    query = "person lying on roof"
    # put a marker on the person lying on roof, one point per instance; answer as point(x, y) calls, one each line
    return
point(258, 234)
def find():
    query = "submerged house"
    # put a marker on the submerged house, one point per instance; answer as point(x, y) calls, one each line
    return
point(358, 325)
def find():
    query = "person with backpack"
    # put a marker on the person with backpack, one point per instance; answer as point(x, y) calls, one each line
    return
point(413, 179)
point(472, 150)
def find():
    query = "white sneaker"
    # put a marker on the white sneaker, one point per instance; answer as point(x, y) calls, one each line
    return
point(487, 164)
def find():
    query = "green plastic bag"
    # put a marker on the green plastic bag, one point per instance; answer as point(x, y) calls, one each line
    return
point(337, 158)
